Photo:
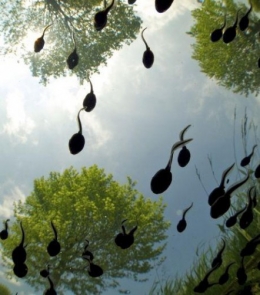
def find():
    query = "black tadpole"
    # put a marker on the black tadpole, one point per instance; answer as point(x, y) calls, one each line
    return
point(248, 215)
point(73, 59)
point(233, 219)
point(244, 21)
point(94, 270)
point(230, 33)
point(244, 162)
point(45, 272)
point(39, 43)
point(19, 253)
point(204, 284)
point(163, 178)
point(77, 141)
point(4, 232)
point(54, 246)
point(124, 240)
point(217, 261)
point(90, 100)
point(225, 276)
point(222, 204)
point(20, 270)
point(220, 190)
point(51, 290)
point(100, 19)
point(148, 56)
point(162, 5)
point(184, 154)
point(216, 35)
point(182, 223)
point(241, 273)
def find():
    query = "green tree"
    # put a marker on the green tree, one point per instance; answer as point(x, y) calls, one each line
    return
point(20, 18)
point(4, 290)
point(235, 238)
point(87, 205)
point(233, 65)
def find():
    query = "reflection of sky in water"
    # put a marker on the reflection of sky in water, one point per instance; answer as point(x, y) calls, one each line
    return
point(138, 117)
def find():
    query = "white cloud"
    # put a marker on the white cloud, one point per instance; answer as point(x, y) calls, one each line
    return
point(19, 124)
point(10, 193)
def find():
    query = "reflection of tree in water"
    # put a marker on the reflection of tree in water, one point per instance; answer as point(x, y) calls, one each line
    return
point(88, 205)
point(233, 65)
point(21, 18)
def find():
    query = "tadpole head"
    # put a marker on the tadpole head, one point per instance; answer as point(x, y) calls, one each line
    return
point(161, 181)
point(76, 143)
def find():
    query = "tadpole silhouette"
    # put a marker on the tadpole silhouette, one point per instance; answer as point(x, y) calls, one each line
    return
point(19, 253)
point(241, 273)
point(20, 270)
point(87, 253)
point(162, 5)
point(45, 272)
point(225, 276)
point(4, 232)
point(131, 2)
point(73, 59)
point(100, 19)
point(244, 162)
point(163, 178)
point(94, 270)
point(230, 33)
point(248, 215)
point(77, 141)
point(51, 290)
point(54, 246)
point(220, 190)
point(250, 247)
point(257, 170)
point(244, 21)
point(222, 204)
point(254, 199)
point(182, 223)
point(184, 154)
point(148, 56)
point(217, 261)
point(233, 219)
point(216, 35)
point(90, 100)
point(204, 284)
point(124, 240)
point(39, 43)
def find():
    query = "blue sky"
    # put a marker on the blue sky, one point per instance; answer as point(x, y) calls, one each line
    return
point(138, 116)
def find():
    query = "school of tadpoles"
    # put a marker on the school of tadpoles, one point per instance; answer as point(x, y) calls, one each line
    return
point(219, 199)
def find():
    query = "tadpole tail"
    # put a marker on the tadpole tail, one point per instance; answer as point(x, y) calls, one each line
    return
point(51, 283)
point(78, 119)
point(142, 35)
point(23, 235)
point(224, 175)
point(174, 147)
point(110, 6)
point(6, 225)
point(46, 29)
point(54, 230)
point(183, 131)
point(237, 185)
point(186, 210)
point(91, 86)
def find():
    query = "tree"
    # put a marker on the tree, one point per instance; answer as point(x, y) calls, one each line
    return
point(235, 239)
point(4, 290)
point(233, 65)
point(19, 19)
point(87, 205)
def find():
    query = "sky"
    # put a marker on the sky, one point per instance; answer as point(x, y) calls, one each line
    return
point(138, 117)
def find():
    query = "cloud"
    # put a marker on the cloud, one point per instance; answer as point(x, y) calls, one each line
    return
point(18, 124)
point(10, 193)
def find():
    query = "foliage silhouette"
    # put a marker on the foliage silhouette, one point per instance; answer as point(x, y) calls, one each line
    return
point(86, 205)
point(19, 19)
point(227, 64)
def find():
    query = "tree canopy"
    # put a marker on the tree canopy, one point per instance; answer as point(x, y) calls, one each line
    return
point(19, 19)
point(86, 205)
point(233, 65)
point(4, 290)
